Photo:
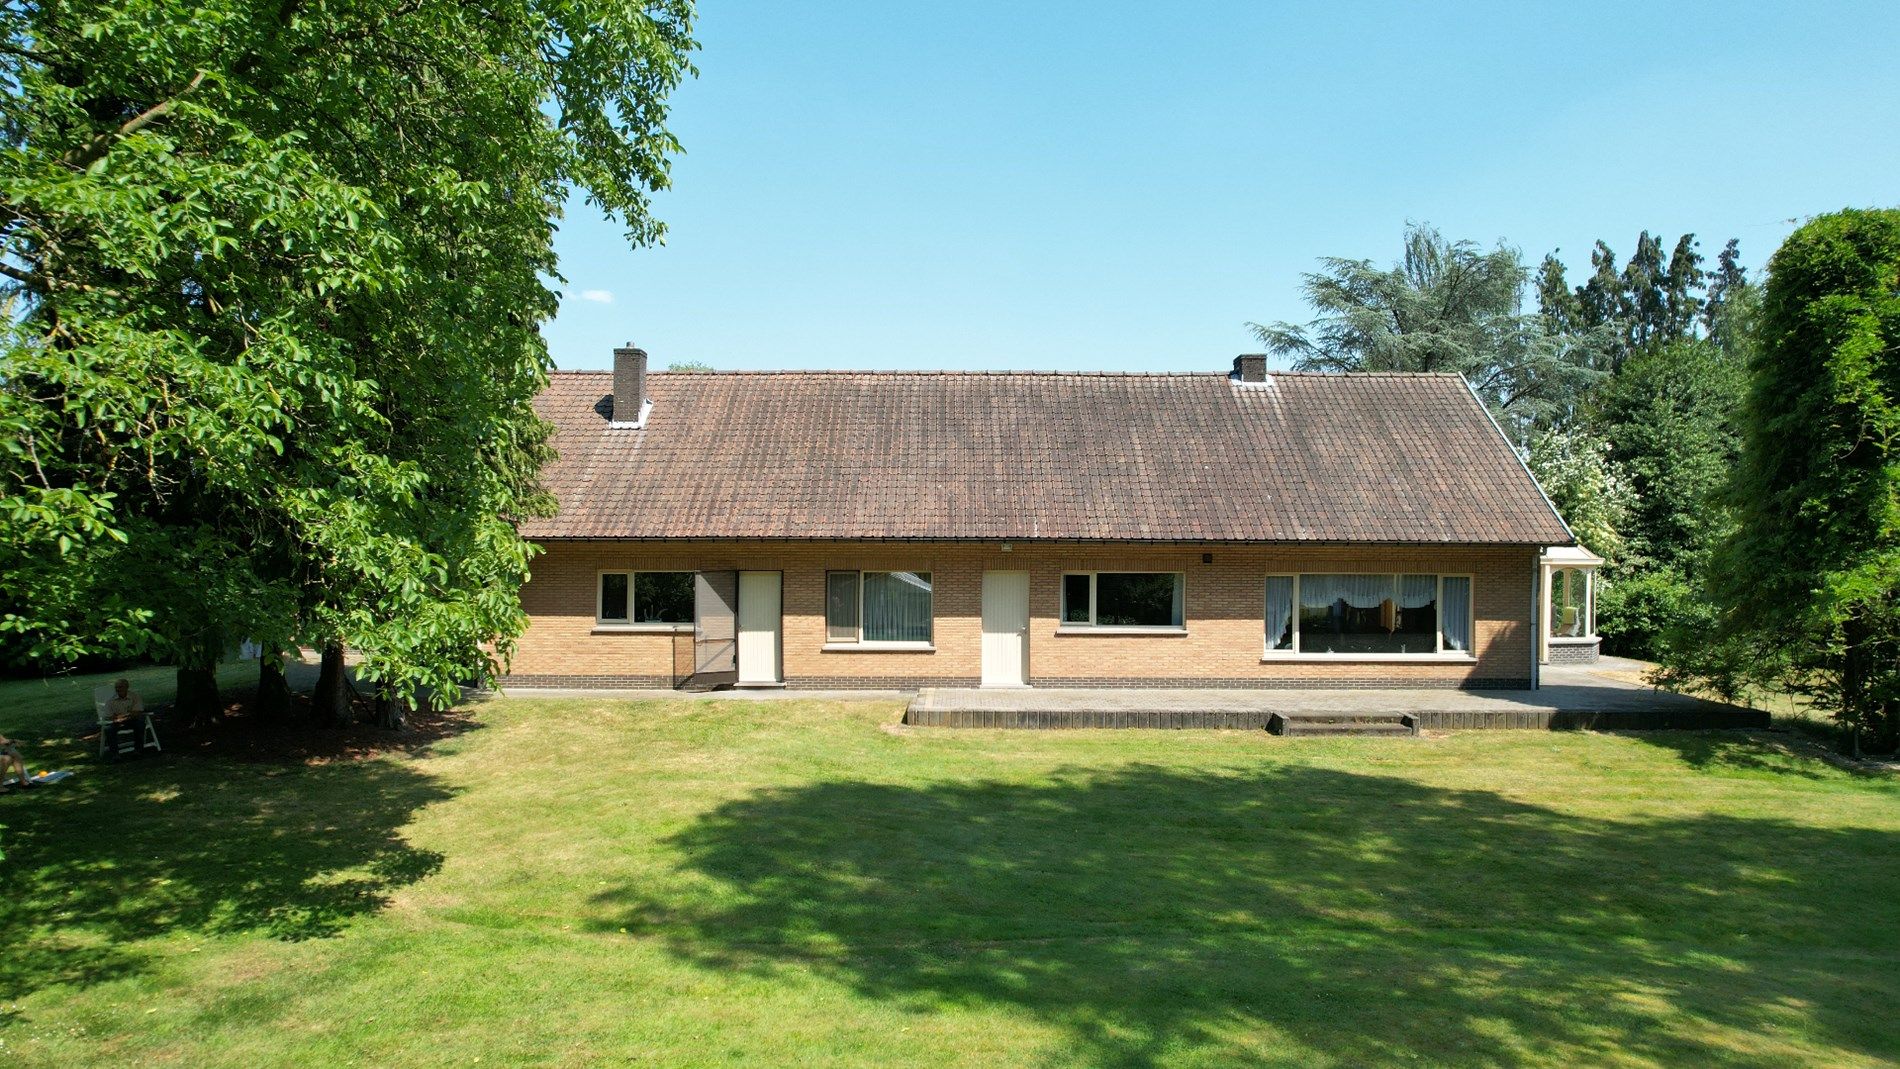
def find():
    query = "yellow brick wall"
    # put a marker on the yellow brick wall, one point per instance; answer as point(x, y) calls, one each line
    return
point(1224, 613)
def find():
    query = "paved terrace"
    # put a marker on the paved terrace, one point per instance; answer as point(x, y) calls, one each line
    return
point(1605, 696)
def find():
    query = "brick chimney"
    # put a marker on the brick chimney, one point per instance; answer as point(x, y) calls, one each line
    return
point(630, 385)
point(1250, 367)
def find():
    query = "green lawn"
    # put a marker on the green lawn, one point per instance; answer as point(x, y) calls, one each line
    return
point(723, 883)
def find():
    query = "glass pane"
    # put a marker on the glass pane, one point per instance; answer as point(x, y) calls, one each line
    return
point(1351, 614)
point(1457, 612)
point(613, 596)
point(1137, 599)
point(1569, 617)
point(1279, 612)
point(841, 606)
point(897, 606)
point(1075, 599)
point(663, 597)
point(1417, 631)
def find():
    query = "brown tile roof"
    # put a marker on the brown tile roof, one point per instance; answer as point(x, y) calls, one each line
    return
point(1028, 455)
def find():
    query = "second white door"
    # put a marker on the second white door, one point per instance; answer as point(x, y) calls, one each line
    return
point(758, 629)
point(1005, 629)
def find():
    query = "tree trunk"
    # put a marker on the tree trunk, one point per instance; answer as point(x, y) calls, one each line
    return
point(391, 714)
point(331, 703)
point(272, 705)
point(197, 702)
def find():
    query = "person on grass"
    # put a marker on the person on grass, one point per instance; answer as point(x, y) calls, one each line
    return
point(10, 756)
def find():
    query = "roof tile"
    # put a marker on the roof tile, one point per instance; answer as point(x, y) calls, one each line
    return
point(1028, 455)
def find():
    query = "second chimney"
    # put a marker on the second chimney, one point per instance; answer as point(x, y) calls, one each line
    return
point(1250, 367)
point(630, 385)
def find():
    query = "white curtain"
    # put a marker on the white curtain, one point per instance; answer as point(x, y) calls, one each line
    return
point(1279, 612)
point(841, 606)
point(897, 606)
point(1456, 612)
point(1358, 591)
point(1417, 591)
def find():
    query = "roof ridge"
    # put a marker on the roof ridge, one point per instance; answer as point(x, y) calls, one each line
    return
point(912, 372)
point(1019, 373)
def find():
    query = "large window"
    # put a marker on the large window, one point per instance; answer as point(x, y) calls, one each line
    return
point(878, 607)
point(1123, 599)
point(1380, 614)
point(645, 598)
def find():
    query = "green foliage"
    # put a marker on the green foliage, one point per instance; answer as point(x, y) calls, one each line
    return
point(280, 268)
point(1813, 567)
point(1670, 417)
point(1650, 301)
point(1644, 606)
point(1447, 306)
point(689, 365)
point(1667, 410)
point(1588, 489)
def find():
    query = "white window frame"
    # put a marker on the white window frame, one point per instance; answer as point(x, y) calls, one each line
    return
point(601, 623)
point(1439, 652)
point(1065, 626)
point(860, 643)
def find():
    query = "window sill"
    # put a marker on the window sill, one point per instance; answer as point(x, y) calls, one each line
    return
point(641, 629)
point(877, 647)
point(1091, 629)
point(1367, 658)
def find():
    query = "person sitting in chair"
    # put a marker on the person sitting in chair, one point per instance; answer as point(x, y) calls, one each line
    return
point(10, 756)
point(125, 703)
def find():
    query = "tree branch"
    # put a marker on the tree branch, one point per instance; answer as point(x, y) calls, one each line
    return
point(100, 145)
point(26, 278)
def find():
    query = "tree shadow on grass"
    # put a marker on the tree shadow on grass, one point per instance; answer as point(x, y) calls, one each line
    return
point(116, 856)
point(1781, 753)
point(1300, 916)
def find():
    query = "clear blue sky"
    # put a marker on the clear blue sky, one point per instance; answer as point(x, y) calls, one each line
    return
point(1122, 186)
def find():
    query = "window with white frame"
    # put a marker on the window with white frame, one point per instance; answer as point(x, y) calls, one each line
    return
point(644, 598)
point(884, 608)
point(1380, 614)
point(1152, 600)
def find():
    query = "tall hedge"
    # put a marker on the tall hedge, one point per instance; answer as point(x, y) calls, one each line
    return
point(1812, 573)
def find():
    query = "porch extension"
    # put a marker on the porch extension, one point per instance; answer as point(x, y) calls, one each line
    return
point(1570, 699)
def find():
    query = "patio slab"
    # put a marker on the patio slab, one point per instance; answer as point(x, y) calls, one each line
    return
point(1572, 697)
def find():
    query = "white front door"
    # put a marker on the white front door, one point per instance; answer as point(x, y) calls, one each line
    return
point(1005, 629)
point(758, 629)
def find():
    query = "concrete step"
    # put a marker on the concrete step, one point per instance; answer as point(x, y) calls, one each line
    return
point(1348, 729)
point(1293, 724)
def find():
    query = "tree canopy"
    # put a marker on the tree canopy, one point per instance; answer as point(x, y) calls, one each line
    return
point(279, 268)
point(1812, 569)
point(1447, 306)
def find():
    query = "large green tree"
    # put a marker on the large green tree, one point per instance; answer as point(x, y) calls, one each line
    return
point(1812, 571)
point(1670, 416)
point(280, 266)
point(1447, 306)
point(1651, 300)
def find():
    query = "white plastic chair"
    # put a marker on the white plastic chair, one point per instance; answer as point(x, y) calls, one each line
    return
point(115, 740)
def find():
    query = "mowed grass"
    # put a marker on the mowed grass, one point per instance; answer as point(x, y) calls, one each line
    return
point(580, 882)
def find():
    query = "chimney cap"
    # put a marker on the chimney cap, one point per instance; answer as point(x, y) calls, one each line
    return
point(1250, 367)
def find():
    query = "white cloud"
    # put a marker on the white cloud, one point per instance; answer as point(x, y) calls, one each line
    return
point(598, 296)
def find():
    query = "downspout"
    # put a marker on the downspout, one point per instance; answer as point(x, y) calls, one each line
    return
point(1537, 602)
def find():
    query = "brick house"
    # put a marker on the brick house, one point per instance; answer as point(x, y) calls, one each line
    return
point(900, 529)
